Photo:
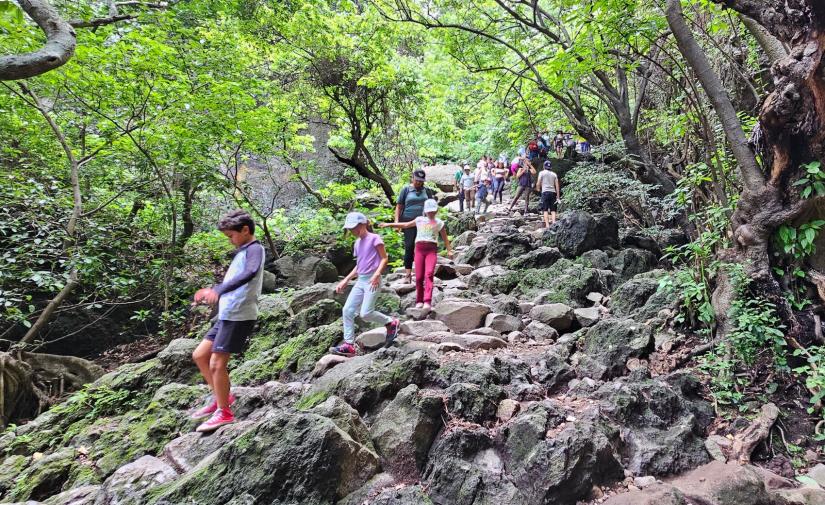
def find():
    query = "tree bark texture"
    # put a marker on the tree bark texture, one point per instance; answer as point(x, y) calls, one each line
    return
point(792, 119)
point(59, 46)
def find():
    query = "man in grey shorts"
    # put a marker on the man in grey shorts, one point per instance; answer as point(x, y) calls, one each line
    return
point(547, 184)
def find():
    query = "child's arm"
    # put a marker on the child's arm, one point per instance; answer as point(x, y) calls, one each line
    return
point(376, 277)
point(254, 262)
point(343, 284)
point(408, 224)
point(446, 240)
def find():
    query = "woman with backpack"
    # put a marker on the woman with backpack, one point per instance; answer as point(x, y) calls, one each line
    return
point(410, 205)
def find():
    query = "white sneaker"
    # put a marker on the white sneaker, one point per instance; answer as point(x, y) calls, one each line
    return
point(427, 306)
point(419, 305)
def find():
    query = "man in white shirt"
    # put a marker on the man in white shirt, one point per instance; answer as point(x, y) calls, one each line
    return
point(548, 184)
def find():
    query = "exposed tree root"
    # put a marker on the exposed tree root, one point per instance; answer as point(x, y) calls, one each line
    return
point(745, 442)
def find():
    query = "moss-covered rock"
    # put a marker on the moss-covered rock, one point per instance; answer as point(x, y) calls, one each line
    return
point(45, 476)
point(297, 355)
point(365, 381)
point(566, 282)
point(288, 458)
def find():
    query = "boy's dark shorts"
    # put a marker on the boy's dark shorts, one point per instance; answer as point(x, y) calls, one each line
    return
point(230, 336)
point(548, 201)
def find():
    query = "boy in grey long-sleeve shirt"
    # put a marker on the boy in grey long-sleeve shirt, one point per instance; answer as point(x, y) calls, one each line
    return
point(237, 299)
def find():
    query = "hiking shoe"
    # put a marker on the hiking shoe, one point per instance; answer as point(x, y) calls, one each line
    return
point(392, 332)
point(345, 349)
point(211, 408)
point(218, 419)
point(419, 305)
point(427, 306)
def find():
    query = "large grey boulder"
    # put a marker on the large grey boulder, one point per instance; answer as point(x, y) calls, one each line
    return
point(270, 282)
point(130, 483)
point(609, 344)
point(473, 402)
point(662, 422)
point(541, 257)
point(629, 262)
point(540, 332)
point(503, 323)
point(404, 431)
point(556, 315)
point(300, 270)
point(552, 371)
point(289, 457)
point(507, 243)
point(633, 295)
point(578, 232)
point(422, 328)
point(306, 297)
point(563, 469)
point(587, 316)
point(461, 316)
point(365, 381)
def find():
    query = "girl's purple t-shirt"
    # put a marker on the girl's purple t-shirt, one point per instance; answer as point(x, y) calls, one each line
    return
point(366, 253)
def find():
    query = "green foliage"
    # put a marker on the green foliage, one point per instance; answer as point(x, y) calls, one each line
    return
point(599, 188)
point(694, 279)
point(98, 401)
point(814, 375)
point(798, 242)
point(813, 182)
point(755, 341)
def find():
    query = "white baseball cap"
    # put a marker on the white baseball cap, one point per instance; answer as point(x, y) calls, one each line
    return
point(430, 206)
point(354, 219)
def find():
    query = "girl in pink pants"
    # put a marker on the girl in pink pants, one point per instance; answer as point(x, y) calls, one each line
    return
point(428, 228)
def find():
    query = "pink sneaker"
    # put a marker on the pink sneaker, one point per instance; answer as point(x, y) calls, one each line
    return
point(218, 419)
point(211, 408)
point(346, 349)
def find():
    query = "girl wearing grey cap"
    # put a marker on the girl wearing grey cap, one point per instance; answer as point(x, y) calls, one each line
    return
point(371, 259)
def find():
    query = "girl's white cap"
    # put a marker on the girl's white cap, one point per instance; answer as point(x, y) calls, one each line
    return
point(354, 219)
point(430, 206)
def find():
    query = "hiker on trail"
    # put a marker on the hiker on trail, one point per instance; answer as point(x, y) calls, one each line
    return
point(409, 206)
point(481, 196)
point(548, 184)
point(525, 186)
point(570, 147)
point(533, 150)
point(558, 143)
point(481, 172)
point(459, 173)
point(426, 251)
point(237, 300)
point(467, 188)
point(499, 179)
point(371, 259)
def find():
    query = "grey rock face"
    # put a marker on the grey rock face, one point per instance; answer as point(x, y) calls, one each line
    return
point(609, 344)
point(578, 232)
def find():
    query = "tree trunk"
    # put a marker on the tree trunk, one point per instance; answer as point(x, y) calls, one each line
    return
point(792, 122)
point(188, 190)
point(59, 47)
point(643, 166)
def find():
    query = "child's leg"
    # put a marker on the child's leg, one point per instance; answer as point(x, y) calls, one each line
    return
point(430, 261)
point(351, 307)
point(368, 312)
point(220, 377)
point(419, 273)
point(478, 205)
point(201, 356)
point(461, 200)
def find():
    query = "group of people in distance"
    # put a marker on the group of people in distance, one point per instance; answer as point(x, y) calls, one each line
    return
point(491, 177)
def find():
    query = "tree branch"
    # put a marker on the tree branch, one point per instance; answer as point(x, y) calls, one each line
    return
point(59, 47)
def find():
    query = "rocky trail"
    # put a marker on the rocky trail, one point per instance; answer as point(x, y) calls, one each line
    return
point(547, 373)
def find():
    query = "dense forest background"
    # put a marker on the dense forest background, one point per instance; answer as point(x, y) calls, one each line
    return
point(706, 120)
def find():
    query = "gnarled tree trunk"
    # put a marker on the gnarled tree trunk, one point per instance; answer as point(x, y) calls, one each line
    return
point(792, 119)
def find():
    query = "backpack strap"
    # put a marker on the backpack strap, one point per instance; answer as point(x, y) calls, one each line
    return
point(402, 197)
